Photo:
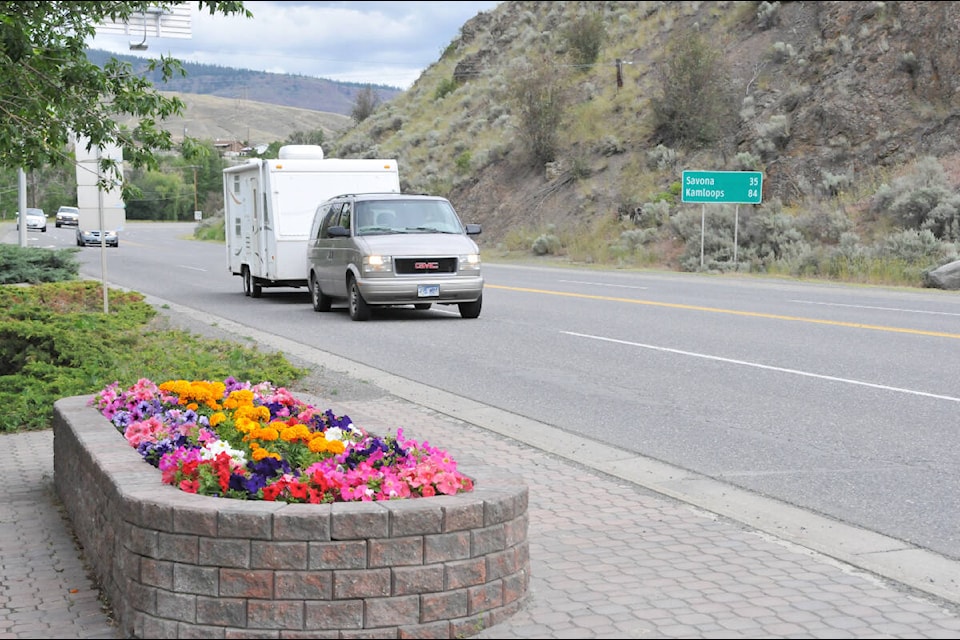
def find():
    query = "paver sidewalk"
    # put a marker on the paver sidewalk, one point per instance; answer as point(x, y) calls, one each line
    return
point(609, 559)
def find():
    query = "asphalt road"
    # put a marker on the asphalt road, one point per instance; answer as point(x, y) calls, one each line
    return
point(837, 399)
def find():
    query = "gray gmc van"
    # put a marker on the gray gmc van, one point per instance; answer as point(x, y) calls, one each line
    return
point(391, 249)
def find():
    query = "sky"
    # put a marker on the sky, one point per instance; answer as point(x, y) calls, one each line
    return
point(380, 43)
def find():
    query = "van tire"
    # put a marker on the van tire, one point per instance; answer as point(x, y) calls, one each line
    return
point(359, 309)
point(471, 309)
point(321, 301)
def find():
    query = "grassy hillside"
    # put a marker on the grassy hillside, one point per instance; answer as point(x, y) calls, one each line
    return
point(212, 118)
point(564, 128)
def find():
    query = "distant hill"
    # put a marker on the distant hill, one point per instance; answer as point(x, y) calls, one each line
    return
point(302, 92)
point(209, 117)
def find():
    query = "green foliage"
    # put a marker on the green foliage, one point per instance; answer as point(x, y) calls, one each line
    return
point(364, 105)
point(695, 104)
point(444, 88)
point(462, 163)
point(35, 265)
point(654, 214)
point(921, 199)
point(47, 188)
point(585, 36)
point(900, 258)
point(55, 341)
point(211, 229)
point(662, 158)
point(768, 15)
point(177, 187)
point(546, 244)
point(315, 137)
point(51, 91)
point(540, 100)
point(166, 194)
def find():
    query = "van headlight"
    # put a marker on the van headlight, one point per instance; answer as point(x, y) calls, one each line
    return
point(469, 262)
point(377, 264)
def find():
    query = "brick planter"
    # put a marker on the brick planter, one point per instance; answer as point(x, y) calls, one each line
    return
point(178, 565)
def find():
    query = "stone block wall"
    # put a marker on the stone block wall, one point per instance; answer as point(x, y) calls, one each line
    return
point(179, 565)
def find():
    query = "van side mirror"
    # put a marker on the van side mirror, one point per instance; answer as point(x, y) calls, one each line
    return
point(472, 229)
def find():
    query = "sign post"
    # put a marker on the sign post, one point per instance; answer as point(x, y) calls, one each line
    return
point(721, 187)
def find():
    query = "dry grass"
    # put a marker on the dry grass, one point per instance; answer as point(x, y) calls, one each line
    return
point(213, 118)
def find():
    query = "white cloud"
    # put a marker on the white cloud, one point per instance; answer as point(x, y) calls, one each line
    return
point(385, 43)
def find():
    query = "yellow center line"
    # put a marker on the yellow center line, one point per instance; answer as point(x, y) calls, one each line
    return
point(752, 314)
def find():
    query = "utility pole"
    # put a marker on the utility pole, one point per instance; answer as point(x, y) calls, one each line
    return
point(196, 199)
point(22, 207)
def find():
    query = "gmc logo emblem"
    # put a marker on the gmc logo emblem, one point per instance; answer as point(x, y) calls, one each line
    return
point(426, 266)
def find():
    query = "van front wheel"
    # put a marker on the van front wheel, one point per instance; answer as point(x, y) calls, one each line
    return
point(471, 309)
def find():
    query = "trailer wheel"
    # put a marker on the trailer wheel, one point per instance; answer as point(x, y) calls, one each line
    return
point(247, 280)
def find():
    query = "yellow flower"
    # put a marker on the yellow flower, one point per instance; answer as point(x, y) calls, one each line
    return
point(266, 433)
point(239, 398)
point(318, 444)
point(261, 453)
point(295, 433)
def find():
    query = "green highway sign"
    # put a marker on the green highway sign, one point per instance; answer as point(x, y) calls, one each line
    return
point(740, 187)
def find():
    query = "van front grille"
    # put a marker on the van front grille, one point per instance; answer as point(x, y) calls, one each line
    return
point(410, 266)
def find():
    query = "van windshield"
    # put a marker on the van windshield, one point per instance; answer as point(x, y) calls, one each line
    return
point(406, 216)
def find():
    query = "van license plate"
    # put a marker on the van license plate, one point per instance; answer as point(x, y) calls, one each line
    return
point(428, 290)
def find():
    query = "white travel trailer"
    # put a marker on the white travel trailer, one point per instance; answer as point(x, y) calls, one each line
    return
point(269, 205)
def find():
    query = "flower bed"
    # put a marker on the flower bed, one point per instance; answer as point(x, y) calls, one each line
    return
point(175, 563)
point(257, 442)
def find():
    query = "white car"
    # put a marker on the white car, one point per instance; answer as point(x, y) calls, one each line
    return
point(67, 216)
point(36, 220)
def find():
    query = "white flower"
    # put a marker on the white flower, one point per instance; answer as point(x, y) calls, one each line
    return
point(333, 433)
point(211, 449)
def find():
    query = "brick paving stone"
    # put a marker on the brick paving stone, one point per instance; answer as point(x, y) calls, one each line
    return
point(609, 559)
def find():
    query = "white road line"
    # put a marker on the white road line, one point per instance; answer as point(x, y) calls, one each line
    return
point(767, 367)
point(862, 306)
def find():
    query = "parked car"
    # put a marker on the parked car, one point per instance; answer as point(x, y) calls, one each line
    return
point(92, 237)
point(391, 249)
point(67, 216)
point(36, 220)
